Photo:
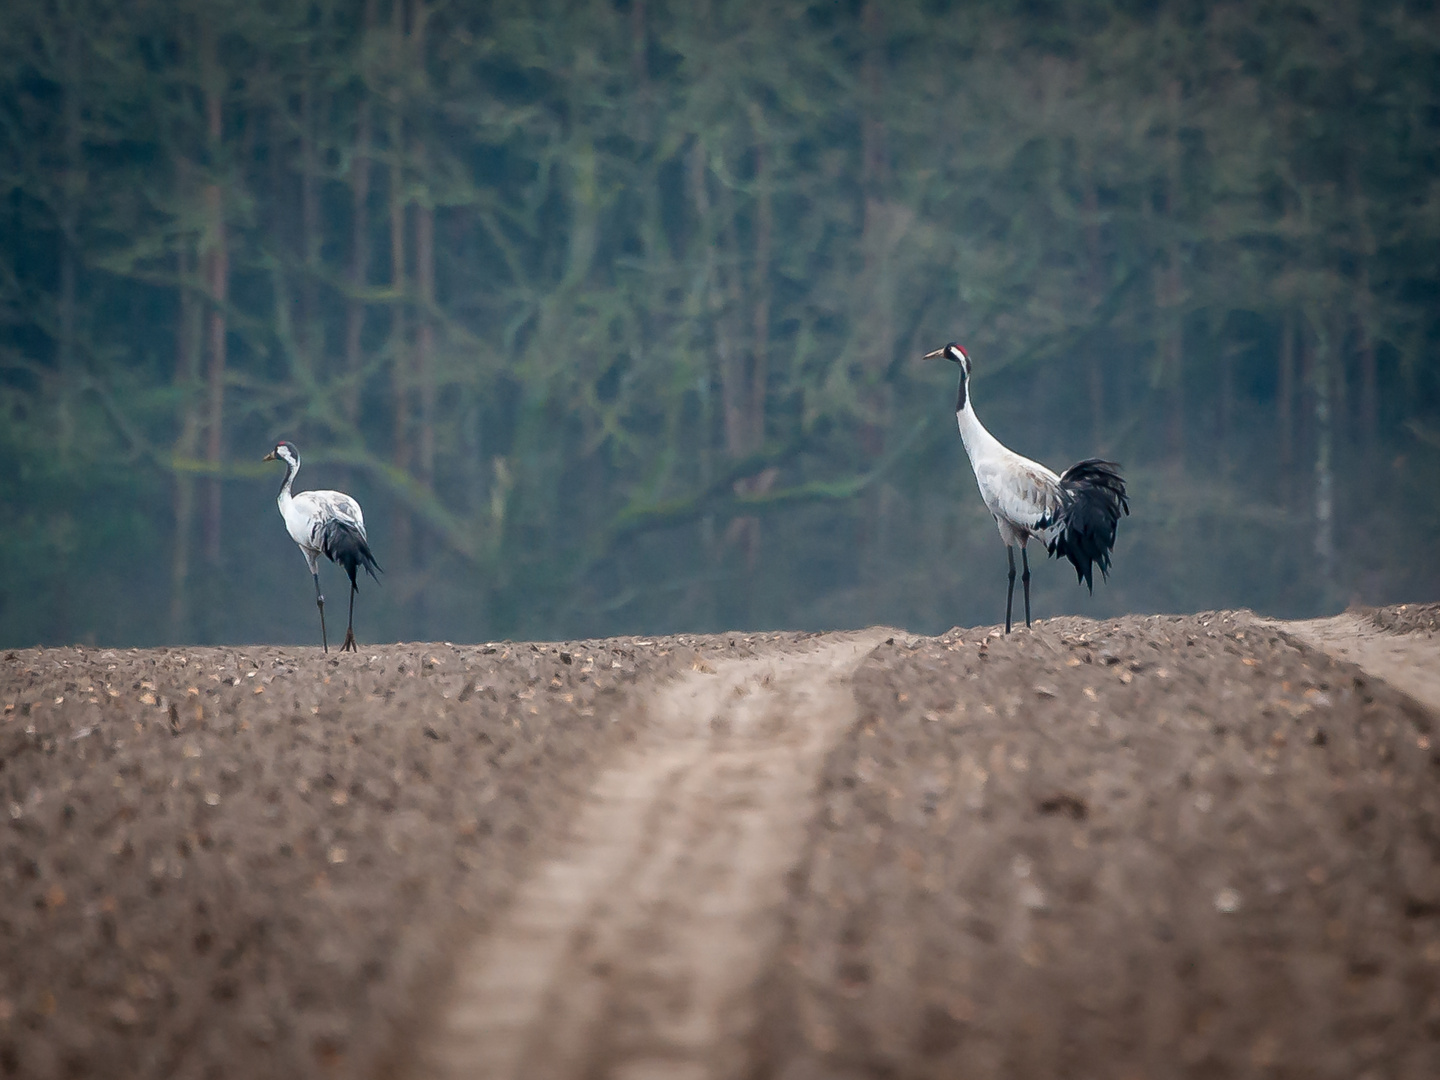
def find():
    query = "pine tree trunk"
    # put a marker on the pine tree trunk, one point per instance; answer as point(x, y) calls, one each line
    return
point(187, 443)
point(217, 265)
point(1324, 469)
point(640, 66)
point(1175, 331)
point(1095, 277)
point(1226, 405)
point(399, 333)
point(425, 339)
point(309, 339)
point(733, 381)
point(424, 284)
point(359, 258)
point(425, 380)
point(751, 381)
point(1284, 411)
point(69, 243)
point(736, 389)
point(760, 358)
point(877, 340)
point(697, 169)
point(1368, 425)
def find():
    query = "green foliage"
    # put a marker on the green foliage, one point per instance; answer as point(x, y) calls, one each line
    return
point(609, 312)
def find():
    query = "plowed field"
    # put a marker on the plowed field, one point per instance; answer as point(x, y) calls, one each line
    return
point(1155, 846)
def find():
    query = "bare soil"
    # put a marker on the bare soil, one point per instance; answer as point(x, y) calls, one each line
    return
point(1154, 846)
point(1145, 847)
point(256, 861)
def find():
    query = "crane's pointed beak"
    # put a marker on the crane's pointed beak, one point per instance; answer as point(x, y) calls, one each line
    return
point(269, 457)
point(933, 355)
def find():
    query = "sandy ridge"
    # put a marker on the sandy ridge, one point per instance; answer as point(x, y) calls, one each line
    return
point(1408, 662)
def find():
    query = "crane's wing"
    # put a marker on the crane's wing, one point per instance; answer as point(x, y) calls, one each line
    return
point(1023, 492)
point(311, 511)
point(340, 506)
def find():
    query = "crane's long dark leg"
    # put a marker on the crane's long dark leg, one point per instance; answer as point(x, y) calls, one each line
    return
point(1010, 591)
point(350, 625)
point(320, 603)
point(1025, 578)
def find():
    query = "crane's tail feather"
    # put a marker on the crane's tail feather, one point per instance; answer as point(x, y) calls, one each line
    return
point(1093, 493)
point(343, 543)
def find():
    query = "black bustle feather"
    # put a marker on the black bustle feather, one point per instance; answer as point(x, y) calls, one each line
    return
point(342, 543)
point(1094, 498)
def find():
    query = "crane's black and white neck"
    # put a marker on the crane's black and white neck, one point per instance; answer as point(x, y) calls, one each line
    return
point(325, 523)
point(1074, 514)
point(286, 452)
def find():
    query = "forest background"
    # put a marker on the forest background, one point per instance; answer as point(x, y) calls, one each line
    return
point(610, 311)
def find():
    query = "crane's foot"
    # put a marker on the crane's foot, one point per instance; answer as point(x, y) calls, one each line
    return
point(349, 645)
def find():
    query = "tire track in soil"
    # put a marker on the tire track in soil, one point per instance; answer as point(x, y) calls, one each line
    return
point(632, 952)
point(1408, 662)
